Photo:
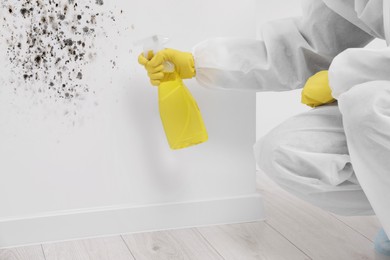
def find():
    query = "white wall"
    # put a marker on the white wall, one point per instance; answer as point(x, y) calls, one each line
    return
point(113, 154)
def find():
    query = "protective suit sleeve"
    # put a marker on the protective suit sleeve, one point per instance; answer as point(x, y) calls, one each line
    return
point(356, 66)
point(290, 51)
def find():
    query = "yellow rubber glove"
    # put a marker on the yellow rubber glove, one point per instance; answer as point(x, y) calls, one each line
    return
point(183, 61)
point(316, 91)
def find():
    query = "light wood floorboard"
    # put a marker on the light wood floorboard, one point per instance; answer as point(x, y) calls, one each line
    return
point(22, 253)
point(251, 241)
point(107, 248)
point(173, 244)
point(293, 230)
point(316, 232)
point(368, 226)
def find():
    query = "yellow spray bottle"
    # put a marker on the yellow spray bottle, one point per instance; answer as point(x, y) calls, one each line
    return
point(179, 112)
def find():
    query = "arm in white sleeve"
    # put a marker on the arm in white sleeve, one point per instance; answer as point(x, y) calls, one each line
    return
point(291, 50)
point(357, 66)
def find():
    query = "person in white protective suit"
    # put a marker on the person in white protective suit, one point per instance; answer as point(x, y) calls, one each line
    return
point(335, 156)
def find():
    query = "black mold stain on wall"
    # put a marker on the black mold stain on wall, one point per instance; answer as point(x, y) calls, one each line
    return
point(51, 42)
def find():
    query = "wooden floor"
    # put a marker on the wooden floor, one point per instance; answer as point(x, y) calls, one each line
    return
point(293, 230)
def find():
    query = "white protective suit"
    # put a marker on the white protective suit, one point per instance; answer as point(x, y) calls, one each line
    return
point(335, 156)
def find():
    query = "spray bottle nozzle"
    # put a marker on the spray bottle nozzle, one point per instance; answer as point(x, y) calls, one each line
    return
point(152, 43)
point(155, 43)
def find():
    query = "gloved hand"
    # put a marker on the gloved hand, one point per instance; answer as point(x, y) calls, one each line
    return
point(316, 91)
point(183, 61)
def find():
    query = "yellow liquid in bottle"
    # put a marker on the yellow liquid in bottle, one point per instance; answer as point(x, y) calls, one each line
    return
point(180, 115)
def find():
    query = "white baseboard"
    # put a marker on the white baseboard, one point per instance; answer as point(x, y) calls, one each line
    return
point(68, 225)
